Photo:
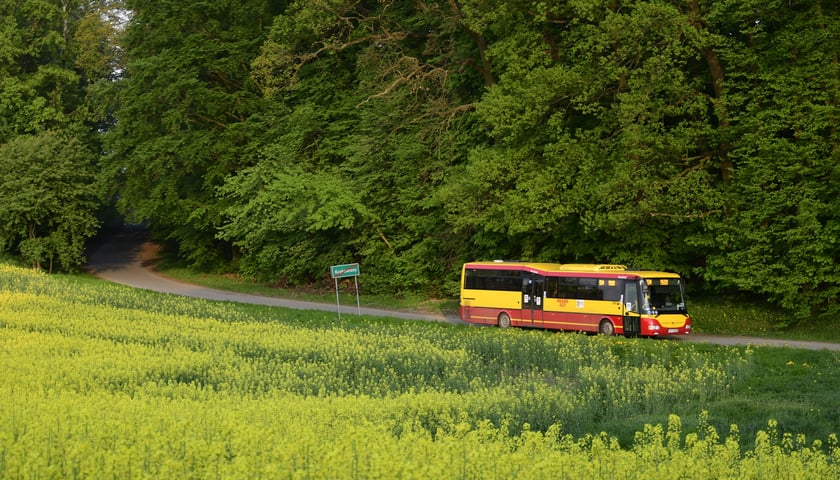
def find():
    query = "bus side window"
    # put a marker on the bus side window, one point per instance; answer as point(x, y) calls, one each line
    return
point(588, 289)
point(551, 287)
point(631, 297)
point(567, 287)
point(611, 292)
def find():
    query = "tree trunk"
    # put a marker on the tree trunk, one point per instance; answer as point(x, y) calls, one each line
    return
point(718, 76)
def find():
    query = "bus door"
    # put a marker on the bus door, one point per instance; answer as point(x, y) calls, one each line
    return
point(533, 294)
point(631, 308)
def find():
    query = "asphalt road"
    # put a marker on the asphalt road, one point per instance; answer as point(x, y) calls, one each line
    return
point(127, 258)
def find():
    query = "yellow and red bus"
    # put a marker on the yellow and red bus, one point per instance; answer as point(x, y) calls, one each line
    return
point(607, 299)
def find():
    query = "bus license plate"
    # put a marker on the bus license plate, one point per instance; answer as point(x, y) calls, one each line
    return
point(673, 330)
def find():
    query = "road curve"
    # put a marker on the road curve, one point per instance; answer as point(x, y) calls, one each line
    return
point(127, 257)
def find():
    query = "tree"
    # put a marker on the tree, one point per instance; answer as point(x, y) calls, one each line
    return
point(778, 235)
point(604, 136)
point(50, 198)
point(53, 54)
point(368, 100)
point(184, 110)
point(685, 135)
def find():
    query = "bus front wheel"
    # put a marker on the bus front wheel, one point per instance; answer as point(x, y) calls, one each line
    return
point(606, 328)
point(504, 320)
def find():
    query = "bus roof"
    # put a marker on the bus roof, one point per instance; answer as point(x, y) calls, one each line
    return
point(547, 268)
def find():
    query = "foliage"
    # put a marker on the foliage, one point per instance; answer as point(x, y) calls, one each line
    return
point(182, 110)
point(639, 133)
point(364, 98)
point(120, 381)
point(277, 138)
point(50, 199)
point(778, 235)
point(52, 57)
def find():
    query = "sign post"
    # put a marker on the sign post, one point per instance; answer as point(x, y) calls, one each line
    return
point(345, 271)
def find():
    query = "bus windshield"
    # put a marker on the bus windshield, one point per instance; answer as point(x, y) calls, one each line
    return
point(663, 295)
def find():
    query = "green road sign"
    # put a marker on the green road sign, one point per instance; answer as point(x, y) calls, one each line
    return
point(344, 271)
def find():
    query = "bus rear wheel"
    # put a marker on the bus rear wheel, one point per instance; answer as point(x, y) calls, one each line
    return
point(504, 320)
point(606, 328)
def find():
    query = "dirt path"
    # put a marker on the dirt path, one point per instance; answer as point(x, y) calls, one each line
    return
point(127, 258)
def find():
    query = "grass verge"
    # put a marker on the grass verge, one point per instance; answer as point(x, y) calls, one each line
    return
point(713, 315)
point(235, 283)
point(747, 317)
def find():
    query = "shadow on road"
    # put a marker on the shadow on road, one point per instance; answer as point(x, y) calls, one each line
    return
point(116, 250)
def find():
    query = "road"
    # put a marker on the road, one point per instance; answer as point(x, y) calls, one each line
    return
point(127, 258)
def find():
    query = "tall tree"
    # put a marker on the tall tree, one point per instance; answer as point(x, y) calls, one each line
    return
point(374, 96)
point(50, 198)
point(38, 86)
point(604, 136)
point(687, 135)
point(183, 115)
point(778, 234)
point(49, 69)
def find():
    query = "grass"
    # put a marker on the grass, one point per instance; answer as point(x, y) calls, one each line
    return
point(749, 317)
point(235, 283)
point(789, 386)
point(713, 315)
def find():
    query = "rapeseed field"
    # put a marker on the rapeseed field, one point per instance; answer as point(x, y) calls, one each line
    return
point(103, 381)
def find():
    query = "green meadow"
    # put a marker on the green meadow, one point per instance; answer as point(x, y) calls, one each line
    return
point(104, 381)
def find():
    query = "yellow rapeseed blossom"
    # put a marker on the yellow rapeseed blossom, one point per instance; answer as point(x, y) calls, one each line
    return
point(109, 382)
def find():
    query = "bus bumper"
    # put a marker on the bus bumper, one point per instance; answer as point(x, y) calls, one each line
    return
point(652, 328)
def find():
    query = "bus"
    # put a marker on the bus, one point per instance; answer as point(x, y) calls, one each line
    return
point(605, 299)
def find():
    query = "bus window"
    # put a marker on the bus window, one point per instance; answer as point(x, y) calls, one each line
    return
point(567, 287)
point(631, 296)
point(588, 289)
point(666, 295)
point(551, 287)
point(500, 280)
point(609, 290)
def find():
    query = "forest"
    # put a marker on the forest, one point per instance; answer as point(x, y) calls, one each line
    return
point(272, 139)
